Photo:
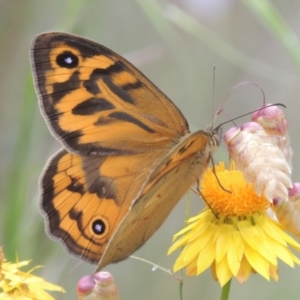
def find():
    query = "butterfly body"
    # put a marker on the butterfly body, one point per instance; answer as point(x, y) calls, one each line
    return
point(127, 158)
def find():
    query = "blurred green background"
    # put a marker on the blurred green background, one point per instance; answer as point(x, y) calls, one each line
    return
point(175, 44)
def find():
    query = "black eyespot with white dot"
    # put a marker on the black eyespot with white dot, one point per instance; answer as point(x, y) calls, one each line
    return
point(99, 227)
point(67, 59)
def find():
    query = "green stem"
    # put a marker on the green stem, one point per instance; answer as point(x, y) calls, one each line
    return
point(181, 287)
point(225, 291)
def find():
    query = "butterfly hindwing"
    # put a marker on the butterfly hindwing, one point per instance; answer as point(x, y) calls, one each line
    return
point(84, 198)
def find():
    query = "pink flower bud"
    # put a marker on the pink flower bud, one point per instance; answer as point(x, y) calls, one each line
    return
point(272, 119)
point(100, 286)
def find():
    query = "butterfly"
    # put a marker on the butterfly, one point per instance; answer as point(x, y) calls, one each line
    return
point(127, 153)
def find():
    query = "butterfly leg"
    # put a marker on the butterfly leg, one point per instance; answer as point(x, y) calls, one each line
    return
point(199, 193)
point(217, 178)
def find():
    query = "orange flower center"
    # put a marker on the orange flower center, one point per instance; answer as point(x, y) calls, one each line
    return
point(240, 199)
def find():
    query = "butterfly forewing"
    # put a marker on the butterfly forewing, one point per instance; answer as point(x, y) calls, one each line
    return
point(98, 103)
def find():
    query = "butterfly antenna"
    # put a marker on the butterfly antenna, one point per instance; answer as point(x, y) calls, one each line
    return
point(214, 96)
point(210, 127)
point(251, 112)
point(214, 88)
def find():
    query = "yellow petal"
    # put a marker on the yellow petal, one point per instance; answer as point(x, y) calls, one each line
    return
point(235, 252)
point(244, 271)
point(223, 241)
point(258, 263)
point(206, 257)
point(223, 272)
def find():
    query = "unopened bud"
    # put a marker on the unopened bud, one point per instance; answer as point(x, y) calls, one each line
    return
point(100, 286)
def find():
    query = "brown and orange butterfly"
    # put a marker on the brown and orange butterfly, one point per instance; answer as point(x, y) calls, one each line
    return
point(127, 157)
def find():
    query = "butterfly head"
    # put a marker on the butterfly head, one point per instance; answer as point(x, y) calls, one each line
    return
point(215, 137)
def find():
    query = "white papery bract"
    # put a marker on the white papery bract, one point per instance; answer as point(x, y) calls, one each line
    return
point(273, 120)
point(288, 213)
point(260, 159)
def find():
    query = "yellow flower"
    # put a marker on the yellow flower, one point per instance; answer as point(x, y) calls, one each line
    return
point(15, 284)
point(235, 236)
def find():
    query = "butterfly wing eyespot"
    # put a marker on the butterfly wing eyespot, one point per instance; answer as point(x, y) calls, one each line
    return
point(128, 156)
point(67, 59)
point(99, 226)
